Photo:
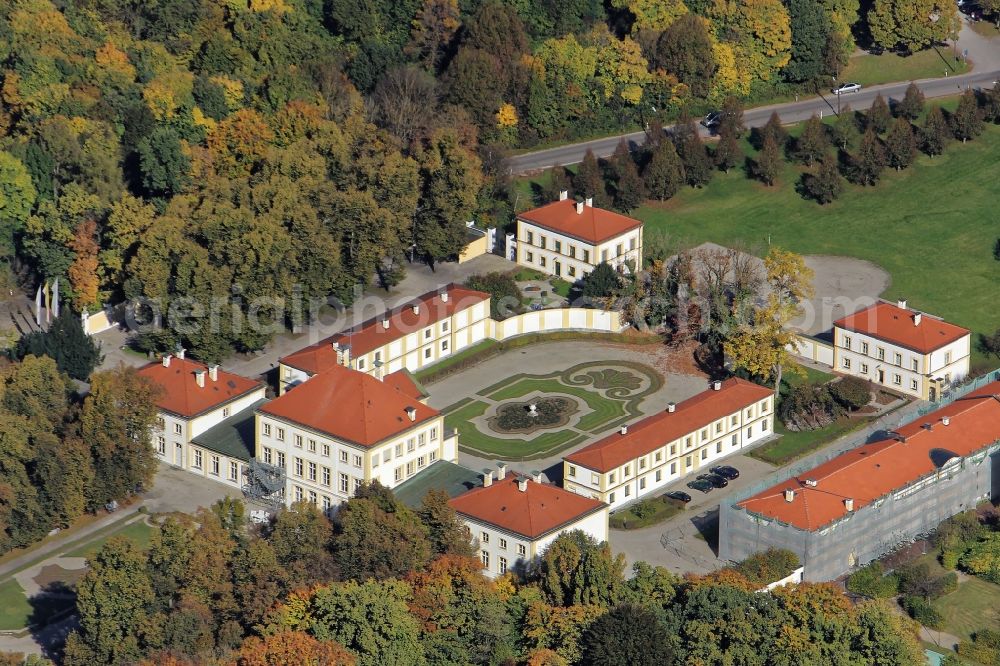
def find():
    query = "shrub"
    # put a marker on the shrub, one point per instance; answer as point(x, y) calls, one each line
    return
point(852, 392)
point(983, 558)
point(870, 582)
point(643, 509)
point(949, 558)
point(809, 407)
point(766, 567)
point(922, 611)
point(505, 297)
point(984, 647)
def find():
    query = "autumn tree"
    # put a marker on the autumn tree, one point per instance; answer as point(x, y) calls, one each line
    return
point(728, 152)
point(575, 569)
point(901, 144)
point(17, 198)
point(912, 25)
point(82, 272)
point(629, 190)
point(664, 172)
point(912, 104)
point(292, 647)
point(991, 104)
point(827, 184)
point(845, 129)
point(812, 144)
point(935, 133)
point(775, 129)
point(432, 31)
point(300, 539)
point(869, 161)
point(732, 116)
point(589, 180)
point(685, 50)
point(768, 163)
point(967, 121)
point(695, 158)
point(448, 535)
point(878, 116)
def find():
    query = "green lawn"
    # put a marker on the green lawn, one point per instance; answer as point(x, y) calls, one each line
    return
point(139, 532)
point(470, 437)
point(870, 70)
point(603, 409)
point(661, 507)
point(444, 367)
point(811, 376)
point(792, 445)
point(973, 606)
point(14, 607)
point(561, 287)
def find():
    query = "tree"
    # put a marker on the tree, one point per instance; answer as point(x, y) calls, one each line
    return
point(82, 273)
point(505, 296)
point(878, 116)
point(575, 569)
point(602, 282)
point(685, 50)
point(912, 25)
point(967, 121)
point(116, 421)
point(652, 15)
point(827, 185)
point(664, 173)
point(813, 143)
point(64, 341)
point(852, 392)
point(912, 104)
point(433, 30)
point(732, 116)
point(629, 634)
point(628, 186)
point(870, 160)
point(164, 163)
point(768, 163)
point(901, 144)
point(17, 199)
point(811, 28)
point(728, 152)
point(991, 103)
point(448, 535)
point(589, 181)
point(775, 129)
point(292, 647)
point(112, 601)
point(845, 129)
point(935, 134)
point(696, 160)
point(471, 81)
point(300, 538)
point(375, 539)
point(405, 101)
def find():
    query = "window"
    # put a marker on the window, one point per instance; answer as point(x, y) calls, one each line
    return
point(326, 476)
point(611, 498)
point(718, 447)
point(881, 354)
point(864, 348)
point(234, 471)
point(343, 456)
point(541, 242)
point(541, 261)
point(611, 477)
point(749, 432)
point(409, 469)
point(357, 461)
point(718, 427)
point(528, 258)
point(673, 468)
point(427, 334)
point(411, 444)
point(557, 245)
point(763, 407)
point(586, 256)
point(502, 543)
point(604, 255)
point(673, 450)
point(704, 453)
point(433, 456)
point(444, 345)
point(485, 556)
point(160, 423)
point(734, 420)
point(846, 363)
point(484, 537)
point(326, 450)
point(421, 461)
point(572, 251)
point(378, 357)
point(642, 483)
point(225, 412)
point(298, 493)
point(280, 434)
point(913, 384)
point(386, 455)
point(427, 352)
point(502, 567)
point(897, 379)
point(298, 441)
point(735, 439)
point(947, 357)
point(398, 473)
point(642, 463)
point(399, 450)
point(281, 460)
point(361, 364)
point(898, 359)
point(214, 469)
point(327, 503)
point(628, 471)
point(619, 250)
point(628, 490)
point(161, 446)
point(312, 471)
point(763, 426)
point(298, 467)
point(687, 441)
point(197, 459)
point(631, 243)
point(659, 475)
point(521, 550)
point(572, 470)
point(267, 455)
point(177, 429)
point(704, 434)
point(444, 327)
point(312, 496)
point(915, 364)
point(357, 484)
point(864, 368)
point(571, 271)
point(659, 456)
point(344, 482)
point(594, 479)
point(847, 342)
point(529, 237)
point(312, 446)
point(688, 461)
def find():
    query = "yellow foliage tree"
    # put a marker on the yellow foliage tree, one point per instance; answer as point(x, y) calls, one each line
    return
point(82, 272)
point(652, 14)
point(759, 31)
point(507, 115)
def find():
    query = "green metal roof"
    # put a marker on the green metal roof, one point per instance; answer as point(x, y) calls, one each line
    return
point(233, 437)
point(442, 475)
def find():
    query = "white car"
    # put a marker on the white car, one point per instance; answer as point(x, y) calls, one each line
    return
point(846, 88)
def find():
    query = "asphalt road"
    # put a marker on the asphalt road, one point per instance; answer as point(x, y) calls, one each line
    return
point(790, 112)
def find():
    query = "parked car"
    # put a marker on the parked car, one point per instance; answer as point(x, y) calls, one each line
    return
point(701, 484)
point(713, 119)
point(726, 472)
point(678, 495)
point(846, 88)
point(715, 480)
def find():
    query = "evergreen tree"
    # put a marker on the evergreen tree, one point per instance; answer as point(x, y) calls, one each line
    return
point(664, 173)
point(991, 103)
point(629, 191)
point(775, 129)
point(728, 152)
point(878, 115)
point(827, 184)
point(74, 352)
point(732, 116)
point(813, 143)
point(768, 162)
point(967, 121)
point(696, 161)
point(560, 182)
point(589, 181)
point(934, 136)
point(685, 50)
point(870, 160)
point(912, 104)
point(601, 282)
point(845, 130)
point(900, 144)
point(447, 533)
point(629, 634)
point(811, 26)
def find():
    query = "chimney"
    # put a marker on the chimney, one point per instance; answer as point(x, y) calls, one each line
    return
point(589, 202)
point(166, 360)
point(624, 430)
point(522, 485)
point(579, 208)
point(444, 295)
point(385, 322)
point(501, 471)
point(412, 413)
point(536, 476)
point(213, 373)
point(849, 504)
point(671, 407)
point(901, 304)
point(789, 494)
point(716, 385)
point(812, 483)
point(335, 345)
point(180, 353)
point(487, 478)
point(563, 195)
point(945, 420)
point(416, 309)
point(199, 376)
point(916, 319)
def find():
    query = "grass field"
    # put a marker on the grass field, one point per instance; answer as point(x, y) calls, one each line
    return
point(602, 412)
point(889, 67)
point(139, 532)
point(661, 508)
point(14, 607)
point(973, 606)
point(793, 445)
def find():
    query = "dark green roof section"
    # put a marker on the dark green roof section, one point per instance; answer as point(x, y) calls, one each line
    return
point(424, 393)
point(233, 437)
point(442, 475)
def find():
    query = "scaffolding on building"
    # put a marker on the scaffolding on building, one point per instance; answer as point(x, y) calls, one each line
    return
point(265, 483)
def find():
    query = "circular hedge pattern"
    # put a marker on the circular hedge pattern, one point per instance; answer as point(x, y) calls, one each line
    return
point(516, 417)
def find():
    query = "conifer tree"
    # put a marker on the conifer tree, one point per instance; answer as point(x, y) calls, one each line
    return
point(870, 160)
point(629, 190)
point(900, 144)
point(934, 136)
point(664, 174)
point(967, 121)
point(912, 104)
point(813, 143)
point(827, 185)
point(774, 129)
point(697, 163)
point(727, 152)
point(878, 115)
point(845, 129)
point(589, 181)
point(768, 162)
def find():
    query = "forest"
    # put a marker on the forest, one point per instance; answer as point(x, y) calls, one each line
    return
point(249, 152)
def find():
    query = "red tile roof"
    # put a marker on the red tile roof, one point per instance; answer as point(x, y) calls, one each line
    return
point(889, 322)
point(654, 431)
point(874, 470)
point(593, 225)
point(351, 406)
point(181, 393)
point(538, 510)
point(373, 334)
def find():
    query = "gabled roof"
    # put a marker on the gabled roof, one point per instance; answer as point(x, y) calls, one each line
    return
point(593, 225)
point(532, 513)
point(234, 437)
point(889, 322)
point(181, 393)
point(654, 431)
point(351, 406)
point(874, 470)
point(373, 333)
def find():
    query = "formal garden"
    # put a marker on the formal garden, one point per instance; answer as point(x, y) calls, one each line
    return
point(531, 416)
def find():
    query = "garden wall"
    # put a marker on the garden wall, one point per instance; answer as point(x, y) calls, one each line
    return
point(557, 319)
